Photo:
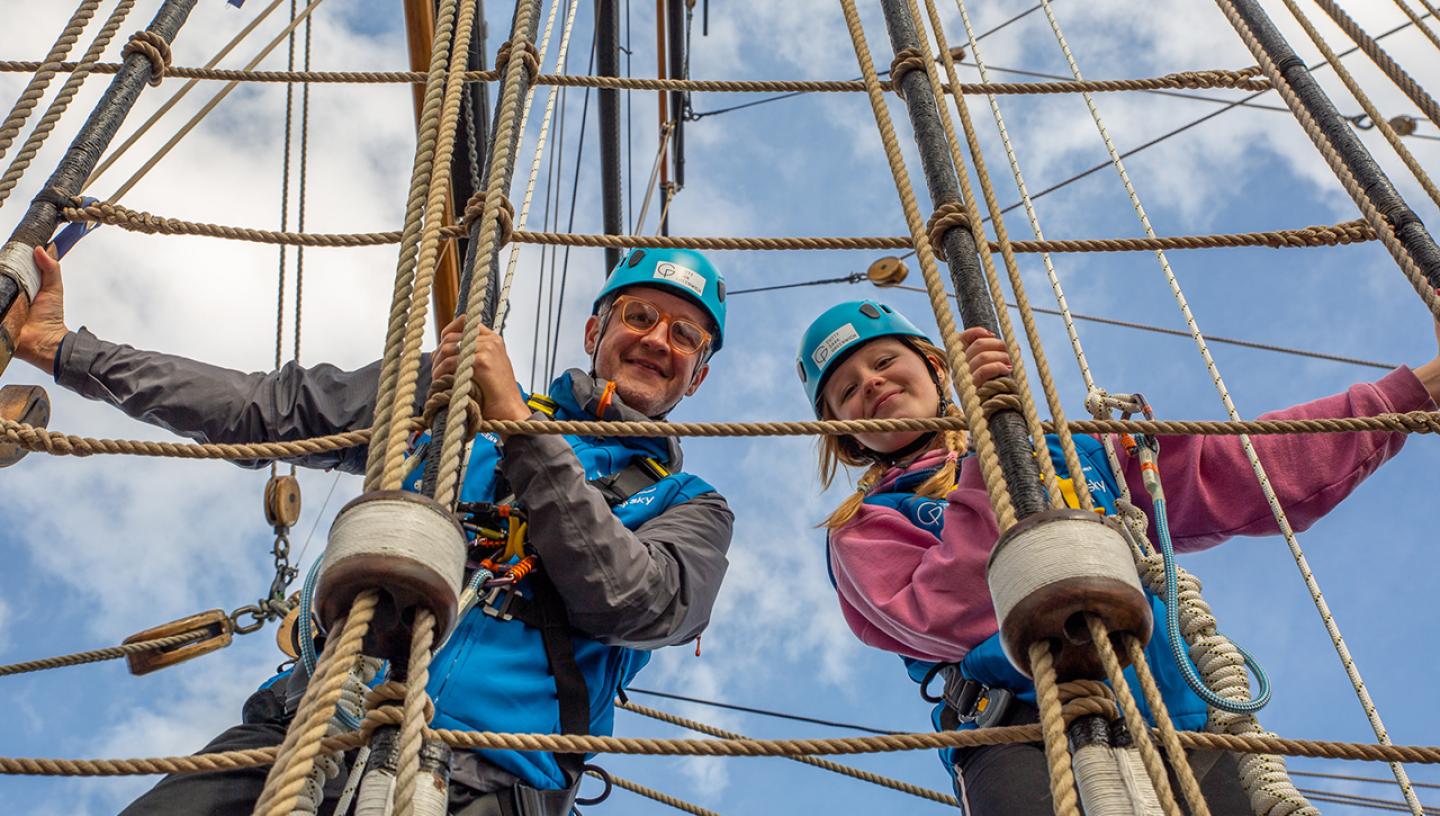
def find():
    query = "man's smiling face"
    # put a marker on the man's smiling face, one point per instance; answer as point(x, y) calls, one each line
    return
point(649, 374)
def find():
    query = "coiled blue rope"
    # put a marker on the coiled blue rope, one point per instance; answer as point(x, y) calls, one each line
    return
point(1172, 626)
point(307, 641)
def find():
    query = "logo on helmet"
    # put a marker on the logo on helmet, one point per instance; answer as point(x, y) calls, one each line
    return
point(838, 339)
point(684, 276)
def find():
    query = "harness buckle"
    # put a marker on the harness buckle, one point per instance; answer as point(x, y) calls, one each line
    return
point(992, 707)
point(498, 601)
point(974, 702)
point(960, 694)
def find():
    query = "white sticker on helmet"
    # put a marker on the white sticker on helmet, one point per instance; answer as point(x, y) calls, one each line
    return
point(838, 339)
point(681, 275)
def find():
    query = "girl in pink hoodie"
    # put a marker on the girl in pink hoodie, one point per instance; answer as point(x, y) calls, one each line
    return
point(907, 550)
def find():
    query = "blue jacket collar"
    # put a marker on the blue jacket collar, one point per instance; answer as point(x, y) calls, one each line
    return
point(577, 395)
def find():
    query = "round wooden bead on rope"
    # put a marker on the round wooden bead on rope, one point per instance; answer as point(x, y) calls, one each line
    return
point(406, 546)
point(1051, 569)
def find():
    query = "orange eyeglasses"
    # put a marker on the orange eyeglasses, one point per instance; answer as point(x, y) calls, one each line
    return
point(641, 317)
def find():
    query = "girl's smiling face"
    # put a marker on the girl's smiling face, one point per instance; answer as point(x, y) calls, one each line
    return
point(884, 379)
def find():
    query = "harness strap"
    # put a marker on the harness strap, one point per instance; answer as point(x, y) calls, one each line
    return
point(570, 689)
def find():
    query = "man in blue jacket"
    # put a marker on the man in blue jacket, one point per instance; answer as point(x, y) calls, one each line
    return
point(631, 549)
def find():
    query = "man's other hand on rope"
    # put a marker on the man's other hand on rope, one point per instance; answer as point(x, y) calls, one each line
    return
point(39, 338)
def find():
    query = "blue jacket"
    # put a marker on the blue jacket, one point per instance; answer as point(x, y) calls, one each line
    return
point(987, 663)
point(493, 674)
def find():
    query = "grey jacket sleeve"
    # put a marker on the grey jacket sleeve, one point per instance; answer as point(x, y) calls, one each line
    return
point(208, 403)
point(647, 588)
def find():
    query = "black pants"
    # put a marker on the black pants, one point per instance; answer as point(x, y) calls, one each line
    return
point(1014, 780)
point(227, 792)
point(234, 793)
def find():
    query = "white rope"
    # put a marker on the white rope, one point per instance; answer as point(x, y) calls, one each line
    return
point(1071, 330)
point(1281, 519)
point(560, 68)
point(654, 173)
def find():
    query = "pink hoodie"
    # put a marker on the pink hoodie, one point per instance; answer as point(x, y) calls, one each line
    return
point(904, 590)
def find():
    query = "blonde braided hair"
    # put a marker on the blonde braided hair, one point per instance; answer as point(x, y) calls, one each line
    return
point(836, 451)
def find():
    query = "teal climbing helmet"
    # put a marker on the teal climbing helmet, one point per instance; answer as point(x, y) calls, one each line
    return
point(686, 271)
point(840, 330)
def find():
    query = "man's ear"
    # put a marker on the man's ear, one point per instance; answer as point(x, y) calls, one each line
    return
point(697, 379)
point(592, 335)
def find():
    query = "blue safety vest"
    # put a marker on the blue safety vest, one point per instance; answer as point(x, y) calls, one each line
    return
point(493, 674)
point(987, 663)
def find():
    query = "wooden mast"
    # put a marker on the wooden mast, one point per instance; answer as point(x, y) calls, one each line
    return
point(419, 31)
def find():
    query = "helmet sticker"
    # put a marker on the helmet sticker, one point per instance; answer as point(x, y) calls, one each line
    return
point(684, 276)
point(838, 339)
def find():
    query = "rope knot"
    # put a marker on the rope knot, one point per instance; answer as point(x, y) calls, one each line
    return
point(906, 60)
point(438, 399)
point(1083, 698)
point(384, 706)
point(57, 198)
point(504, 216)
point(155, 48)
point(529, 57)
point(946, 216)
point(998, 395)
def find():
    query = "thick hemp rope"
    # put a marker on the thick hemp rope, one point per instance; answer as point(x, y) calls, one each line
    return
point(417, 711)
point(986, 455)
point(655, 795)
point(501, 163)
point(56, 443)
point(111, 213)
point(1063, 794)
point(1154, 765)
point(574, 743)
point(1189, 786)
point(1243, 80)
point(155, 48)
point(304, 739)
point(1412, 271)
point(835, 767)
point(393, 464)
point(1386, 129)
point(427, 129)
point(98, 655)
point(1032, 332)
point(44, 72)
point(1382, 60)
point(21, 162)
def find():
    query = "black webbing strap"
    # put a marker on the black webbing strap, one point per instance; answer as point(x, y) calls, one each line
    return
point(574, 697)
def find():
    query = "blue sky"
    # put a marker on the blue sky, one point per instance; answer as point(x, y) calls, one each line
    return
point(99, 548)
